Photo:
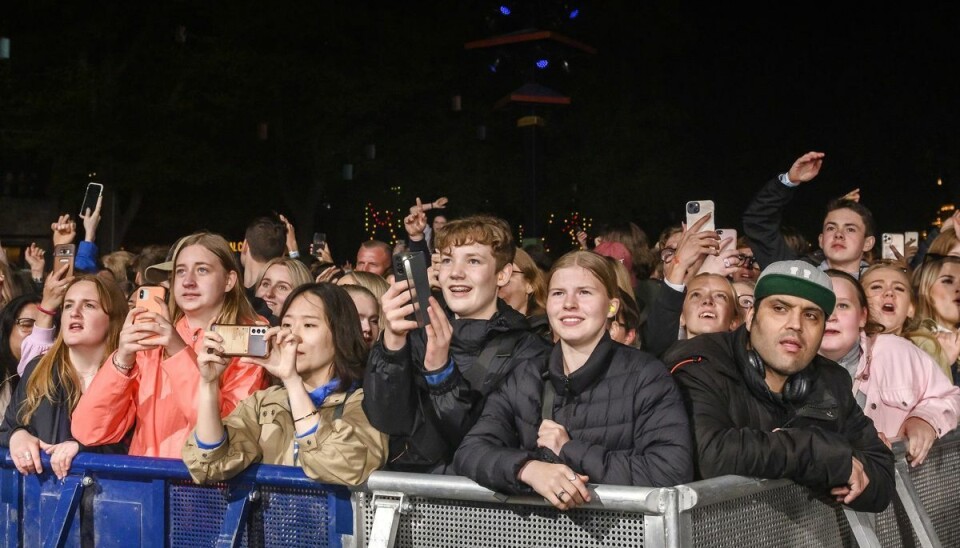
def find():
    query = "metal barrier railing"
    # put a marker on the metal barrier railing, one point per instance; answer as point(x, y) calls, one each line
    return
point(134, 501)
point(413, 510)
point(152, 502)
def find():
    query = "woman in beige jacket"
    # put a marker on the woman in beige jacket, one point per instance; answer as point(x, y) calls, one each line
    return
point(314, 420)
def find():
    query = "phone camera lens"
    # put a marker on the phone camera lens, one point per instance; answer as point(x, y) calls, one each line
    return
point(693, 207)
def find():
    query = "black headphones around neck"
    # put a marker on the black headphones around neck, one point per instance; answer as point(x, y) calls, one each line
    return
point(795, 390)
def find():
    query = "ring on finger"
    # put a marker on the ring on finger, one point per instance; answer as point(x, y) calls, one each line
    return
point(560, 495)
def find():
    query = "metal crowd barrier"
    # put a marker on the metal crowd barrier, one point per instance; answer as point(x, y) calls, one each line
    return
point(130, 501)
point(409, 510)
point(134, 501)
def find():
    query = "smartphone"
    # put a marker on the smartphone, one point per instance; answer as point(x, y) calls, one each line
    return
point(698, 209)
point(319, 243)
point(243, 340)
point(94, 191)
point(727, 234)
point(146, 298)
point(891, 239)
point(64, 254)
point(413, 266)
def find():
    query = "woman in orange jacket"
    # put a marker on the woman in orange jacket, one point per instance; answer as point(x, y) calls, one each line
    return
point(150, 382)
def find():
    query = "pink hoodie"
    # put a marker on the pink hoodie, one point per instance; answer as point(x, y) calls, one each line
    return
point(901, 381)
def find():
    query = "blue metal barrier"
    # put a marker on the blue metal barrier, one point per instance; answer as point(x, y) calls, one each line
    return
point(134, 501)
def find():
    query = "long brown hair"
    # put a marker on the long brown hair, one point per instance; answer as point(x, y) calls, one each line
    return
point(55, 368)
point(236, 308)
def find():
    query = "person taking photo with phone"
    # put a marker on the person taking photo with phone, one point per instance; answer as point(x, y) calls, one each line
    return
point(426, 392)
point(315, 416)
point(150, 382)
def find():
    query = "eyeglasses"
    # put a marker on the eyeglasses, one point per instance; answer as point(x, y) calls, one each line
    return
point(747, 261)
point(667, 253)
point(25, 325)
point(745, 301)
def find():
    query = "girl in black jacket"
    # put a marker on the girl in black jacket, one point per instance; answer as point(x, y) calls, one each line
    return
point(616, 416)
point(38, 417)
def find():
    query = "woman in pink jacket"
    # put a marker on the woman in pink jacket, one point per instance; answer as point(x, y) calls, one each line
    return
point(898, 385)
point(150, 382)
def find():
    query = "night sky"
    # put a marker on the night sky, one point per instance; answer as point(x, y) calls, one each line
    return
point(682, 101)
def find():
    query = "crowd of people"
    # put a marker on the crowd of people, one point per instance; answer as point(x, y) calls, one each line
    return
point(619, 363)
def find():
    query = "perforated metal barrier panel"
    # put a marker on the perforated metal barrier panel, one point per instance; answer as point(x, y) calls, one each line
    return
point(284, 517)
point(439, 523)
point(936, 482)
point(787, 516)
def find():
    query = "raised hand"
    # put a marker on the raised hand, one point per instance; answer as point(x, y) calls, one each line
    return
point(439, 335)
point(91, 220)
point(210, 359)
point(64, 230)
point(395, 306)
point(806, 167)
point(34, 257)
point(694, 246)
point(291, 235)
point(281, 362)
point(416, 222)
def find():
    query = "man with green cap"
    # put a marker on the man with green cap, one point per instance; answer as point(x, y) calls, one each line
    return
point(762, 402)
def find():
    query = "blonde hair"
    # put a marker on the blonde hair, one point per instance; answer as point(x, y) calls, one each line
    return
point(118, 263)
point(55, 370)
point(536, 301)
point(236, 308)
point(943, 243)
point(729, 289)
point(598, 265)
point(299, 274)
point(373, 283)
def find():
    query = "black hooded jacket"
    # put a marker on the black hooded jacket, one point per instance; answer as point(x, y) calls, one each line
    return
point(426, 422)
point(741, 427)
point(621, 409)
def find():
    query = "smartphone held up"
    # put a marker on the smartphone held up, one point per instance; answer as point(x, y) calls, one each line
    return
point(243, 340)
point(413, 266)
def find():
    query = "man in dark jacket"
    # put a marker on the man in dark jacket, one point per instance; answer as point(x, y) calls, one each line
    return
point(847, 228)
point(762, 403)
point(426, 387)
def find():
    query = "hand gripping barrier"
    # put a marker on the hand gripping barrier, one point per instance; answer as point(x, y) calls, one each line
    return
point(134, 501)
point(130, 501)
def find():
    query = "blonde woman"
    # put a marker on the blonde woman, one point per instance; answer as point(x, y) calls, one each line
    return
point(150, 382)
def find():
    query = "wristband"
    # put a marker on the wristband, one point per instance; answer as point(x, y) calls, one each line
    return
point(123, 368)
point(43, 310)
point(294, 254)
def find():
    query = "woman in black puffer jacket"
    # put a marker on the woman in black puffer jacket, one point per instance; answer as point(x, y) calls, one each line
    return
point(616, 415)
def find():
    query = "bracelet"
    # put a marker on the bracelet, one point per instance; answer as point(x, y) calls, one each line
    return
point(294, 254)
point(307, 416)
point(43, 310)
point(123, 368)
